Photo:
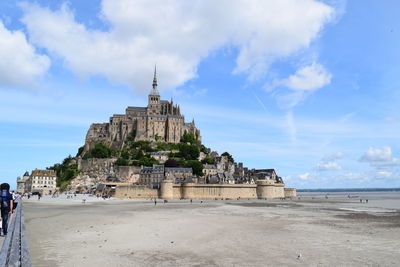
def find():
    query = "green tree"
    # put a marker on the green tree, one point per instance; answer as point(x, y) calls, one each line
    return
point(143, 145)
point(196, 166)
point(147, 161)
point(205, 149)
point(208, 160)
point(189, 138)
point(137, 154)
point(80, 150)
point(122, 162)
point(66, 171)
point(229, 156)
point(100, 150)
point(188, 152)
point(173, 163)
point(125, 154)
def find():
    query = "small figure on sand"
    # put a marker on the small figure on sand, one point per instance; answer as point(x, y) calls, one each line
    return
point(39, 196)
point(360, 200)
point(366, 200)
point(155, 202)
point(191, 200)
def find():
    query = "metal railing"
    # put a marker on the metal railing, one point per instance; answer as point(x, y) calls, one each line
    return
point(14, 251)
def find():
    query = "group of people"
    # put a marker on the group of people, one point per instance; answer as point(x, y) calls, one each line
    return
point(9, 201)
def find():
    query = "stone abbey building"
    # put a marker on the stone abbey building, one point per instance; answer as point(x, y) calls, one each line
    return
point(161, 120)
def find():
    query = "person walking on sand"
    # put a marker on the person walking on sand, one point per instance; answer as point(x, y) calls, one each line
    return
point(155, 202)
point(7, 204)
point(39, 196)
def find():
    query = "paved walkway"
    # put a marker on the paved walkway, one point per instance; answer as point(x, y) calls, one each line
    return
point(2, 237)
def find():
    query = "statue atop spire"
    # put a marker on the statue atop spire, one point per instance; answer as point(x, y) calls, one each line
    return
point(154, 91)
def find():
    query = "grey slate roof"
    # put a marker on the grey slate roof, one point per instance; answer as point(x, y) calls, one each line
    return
point(137, 108)
point(171, 169)
point(154, 169)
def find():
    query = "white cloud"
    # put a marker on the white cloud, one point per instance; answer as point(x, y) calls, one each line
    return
point(384, 173)
point(291, 126)
point(306, 176)
point(335, 156)
point(290, 100)
point(380, 158)
point(177, 35)
point(20, 65)
point(307, 78)
point(378, 155)
point(328, 166)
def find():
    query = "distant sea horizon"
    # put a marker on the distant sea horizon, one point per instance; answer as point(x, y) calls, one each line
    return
point(349, 190)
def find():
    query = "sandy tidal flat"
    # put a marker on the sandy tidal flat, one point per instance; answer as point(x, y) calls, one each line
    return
point(308, 232)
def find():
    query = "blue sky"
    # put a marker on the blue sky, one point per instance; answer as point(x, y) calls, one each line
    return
point(309, 88)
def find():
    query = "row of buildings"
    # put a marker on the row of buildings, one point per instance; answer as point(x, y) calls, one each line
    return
point(223, 171)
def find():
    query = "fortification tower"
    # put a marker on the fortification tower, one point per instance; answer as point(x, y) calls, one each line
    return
point(269, 189)
point(167, 190)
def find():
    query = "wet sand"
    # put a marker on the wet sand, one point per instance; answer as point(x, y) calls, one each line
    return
point(326, 232)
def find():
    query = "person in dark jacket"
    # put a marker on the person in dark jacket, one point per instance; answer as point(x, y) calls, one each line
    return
point(6, 205)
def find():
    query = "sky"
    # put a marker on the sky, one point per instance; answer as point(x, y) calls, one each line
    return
point(309, 88)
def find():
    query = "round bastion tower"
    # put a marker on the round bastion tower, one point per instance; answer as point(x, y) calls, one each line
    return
point(167, 189)
point(269, 189)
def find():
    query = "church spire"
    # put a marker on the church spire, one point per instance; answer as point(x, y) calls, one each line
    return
point(154, 91)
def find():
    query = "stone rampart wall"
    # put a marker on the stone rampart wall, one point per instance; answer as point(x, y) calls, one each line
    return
point(135, 191)
point(212, 191)
point(169, 190)
point(177, 191)
point(290, 192)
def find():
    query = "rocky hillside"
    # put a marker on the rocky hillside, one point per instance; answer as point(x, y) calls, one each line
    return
point(102, 163)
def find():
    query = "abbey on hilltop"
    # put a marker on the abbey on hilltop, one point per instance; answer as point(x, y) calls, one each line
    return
point(161, 121)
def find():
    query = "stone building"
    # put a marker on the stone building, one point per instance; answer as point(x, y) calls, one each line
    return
point(151, 176)
point(161, 120)
point(44, 181)
point(23, 184)
point(209, 170)
point(179, 175)
point(260, 174)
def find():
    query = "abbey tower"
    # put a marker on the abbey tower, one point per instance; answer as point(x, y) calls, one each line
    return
point(160, 121)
